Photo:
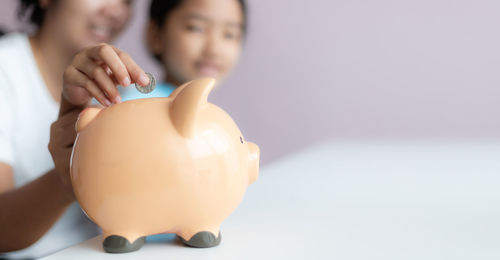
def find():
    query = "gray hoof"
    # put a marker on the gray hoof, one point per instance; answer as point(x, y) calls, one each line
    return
point(119, 244)
point(202, 239)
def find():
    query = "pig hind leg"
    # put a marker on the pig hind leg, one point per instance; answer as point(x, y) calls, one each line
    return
point(202, 239)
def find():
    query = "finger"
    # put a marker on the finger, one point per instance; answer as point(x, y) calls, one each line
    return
point(84, 88)
point(62, 137)
point(63, 130)
point(107, 54)
point(66, 136)
point(69, 119)
point(97, 73)
point(66, 157)
point(65, 122)
point(96, 92)
point(111, 75)
point(73, 89)
point(69, 137)
point(136, 73)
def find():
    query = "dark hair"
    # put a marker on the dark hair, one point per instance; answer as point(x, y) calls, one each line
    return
point(33, 9)
point(160, 9)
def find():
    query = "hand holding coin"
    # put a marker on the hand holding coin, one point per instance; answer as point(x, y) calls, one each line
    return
point(97, 71)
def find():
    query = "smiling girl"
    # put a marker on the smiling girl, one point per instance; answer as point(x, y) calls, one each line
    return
point(193, 39)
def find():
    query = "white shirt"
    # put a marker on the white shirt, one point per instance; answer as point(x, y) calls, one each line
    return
point(26, 112)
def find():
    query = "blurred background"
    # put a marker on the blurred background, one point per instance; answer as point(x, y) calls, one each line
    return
point(353, 69)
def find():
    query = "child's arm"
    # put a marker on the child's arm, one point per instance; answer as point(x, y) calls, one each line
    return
point(96, 72)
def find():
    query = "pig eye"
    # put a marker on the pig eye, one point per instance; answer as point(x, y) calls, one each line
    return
point(241, 139)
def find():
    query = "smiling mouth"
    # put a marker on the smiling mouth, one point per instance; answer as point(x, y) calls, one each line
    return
point(208, 69)
point(101, 33)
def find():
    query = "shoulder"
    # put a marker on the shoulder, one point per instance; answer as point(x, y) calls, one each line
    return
point(166, 88)
point(15, 52)
point(13, 44)
point(16, 60)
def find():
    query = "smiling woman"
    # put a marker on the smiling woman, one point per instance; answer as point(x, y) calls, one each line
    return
point(79, 23)
point(38, 212)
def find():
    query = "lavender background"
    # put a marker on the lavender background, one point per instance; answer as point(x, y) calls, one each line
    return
point(354, 69)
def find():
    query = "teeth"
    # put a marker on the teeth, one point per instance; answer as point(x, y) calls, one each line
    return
point(101, 31)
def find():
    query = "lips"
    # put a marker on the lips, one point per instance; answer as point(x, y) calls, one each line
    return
point(208, 69)
point(101, 33)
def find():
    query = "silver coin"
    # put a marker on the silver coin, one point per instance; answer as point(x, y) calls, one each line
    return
point(150, 87)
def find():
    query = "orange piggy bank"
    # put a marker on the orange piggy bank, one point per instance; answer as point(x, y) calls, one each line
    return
point(161, 165)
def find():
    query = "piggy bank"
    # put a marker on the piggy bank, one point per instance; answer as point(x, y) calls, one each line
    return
point(161, 165)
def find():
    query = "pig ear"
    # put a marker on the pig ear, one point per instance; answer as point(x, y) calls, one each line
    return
point(178, 89)
point(188, 103)
point(85, 117)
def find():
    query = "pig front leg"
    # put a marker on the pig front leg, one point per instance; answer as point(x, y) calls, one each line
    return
point(120, 244)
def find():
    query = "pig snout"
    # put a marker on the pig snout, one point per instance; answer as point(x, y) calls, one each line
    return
point(253, 158)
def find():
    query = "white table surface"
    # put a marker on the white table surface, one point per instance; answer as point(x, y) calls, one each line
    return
point(365, 200)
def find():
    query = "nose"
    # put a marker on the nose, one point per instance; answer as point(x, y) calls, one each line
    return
point(213, 43)
point(117, 10)
point(253, 159)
